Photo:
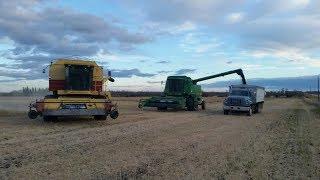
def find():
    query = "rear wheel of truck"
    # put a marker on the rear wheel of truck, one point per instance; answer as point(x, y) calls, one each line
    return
point(191, 105)
point(260, 106)
point(255, 108)
point(100, 117)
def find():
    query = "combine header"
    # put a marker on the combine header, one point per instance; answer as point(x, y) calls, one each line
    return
point(78, 89)
point(182, 92)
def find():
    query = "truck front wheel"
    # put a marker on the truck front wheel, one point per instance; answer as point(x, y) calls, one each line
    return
point(249, 113)
point(225, 112)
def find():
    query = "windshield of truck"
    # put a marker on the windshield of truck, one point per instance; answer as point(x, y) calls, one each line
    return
point(175, 85)
point(239, 93)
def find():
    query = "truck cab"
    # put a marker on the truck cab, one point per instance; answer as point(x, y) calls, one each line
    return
point(245, 98)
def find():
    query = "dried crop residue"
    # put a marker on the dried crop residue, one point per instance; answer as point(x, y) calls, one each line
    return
point(278, 143)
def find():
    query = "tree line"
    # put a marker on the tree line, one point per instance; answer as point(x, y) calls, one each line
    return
point(28, 91)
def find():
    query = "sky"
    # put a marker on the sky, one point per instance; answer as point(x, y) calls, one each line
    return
point(144, 41)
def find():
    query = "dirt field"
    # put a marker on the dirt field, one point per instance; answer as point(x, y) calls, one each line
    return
point(282, 142)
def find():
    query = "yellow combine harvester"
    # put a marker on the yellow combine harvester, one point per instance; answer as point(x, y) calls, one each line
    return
point(78, 89)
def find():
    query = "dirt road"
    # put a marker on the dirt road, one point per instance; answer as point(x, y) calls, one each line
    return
point(282, 142)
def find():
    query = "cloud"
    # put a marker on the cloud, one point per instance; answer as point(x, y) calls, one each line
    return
point(235, 17)
point(229, 62)
point(185, 71)
point(62, 31)
point(155, 82)
point(163, 62)
point(127, 73)
point(198, 43)
point(40, 33)
point(292, 83)
point(254, 24)
point(182, 10)
point(164, 72)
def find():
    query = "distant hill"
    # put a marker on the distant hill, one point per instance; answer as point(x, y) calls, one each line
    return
point(302, 83)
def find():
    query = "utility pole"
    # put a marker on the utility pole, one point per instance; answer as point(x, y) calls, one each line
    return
point(318, 88)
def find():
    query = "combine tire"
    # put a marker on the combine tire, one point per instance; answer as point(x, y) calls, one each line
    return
point(203, 105)
point(49, 118)
point(32, 114)
point(162, 108)
point(114, 114)
point(100, 117)
point(191, 105)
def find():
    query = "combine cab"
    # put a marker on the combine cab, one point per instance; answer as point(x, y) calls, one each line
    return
point(182, 92)
point(78, 89)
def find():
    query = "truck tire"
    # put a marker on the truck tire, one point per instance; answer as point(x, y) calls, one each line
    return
point(100, 117)
point(225, 112)
point(249, 113)
point(255, 108)
point(191, 105)
point(203, 105)
point(260, 107)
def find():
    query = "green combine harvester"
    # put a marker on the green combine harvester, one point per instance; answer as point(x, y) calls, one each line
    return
point(182, 92)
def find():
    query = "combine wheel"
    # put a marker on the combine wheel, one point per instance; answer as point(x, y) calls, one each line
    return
point(100, 117)
point(114, 114)
point(203, 105)
point(49, 118)
point(32, 114)
point(162, 108)
point(191, 105)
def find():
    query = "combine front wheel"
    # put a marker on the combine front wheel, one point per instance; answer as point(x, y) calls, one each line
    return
point(100, 117)
point(162, 108)
point(114, 114)
point(203, 105)
point(191, 105)
point(49, 118)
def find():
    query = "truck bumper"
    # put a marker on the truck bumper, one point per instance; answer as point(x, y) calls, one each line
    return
point(236, 108)
point(75, 112)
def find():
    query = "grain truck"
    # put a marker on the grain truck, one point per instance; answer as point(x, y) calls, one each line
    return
point(244, 98)
point(78, 89)
point(182, 92)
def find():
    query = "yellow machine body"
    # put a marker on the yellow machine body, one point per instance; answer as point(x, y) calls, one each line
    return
point(78, 89)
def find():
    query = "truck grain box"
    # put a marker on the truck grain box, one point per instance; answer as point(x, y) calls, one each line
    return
point(245, 98)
